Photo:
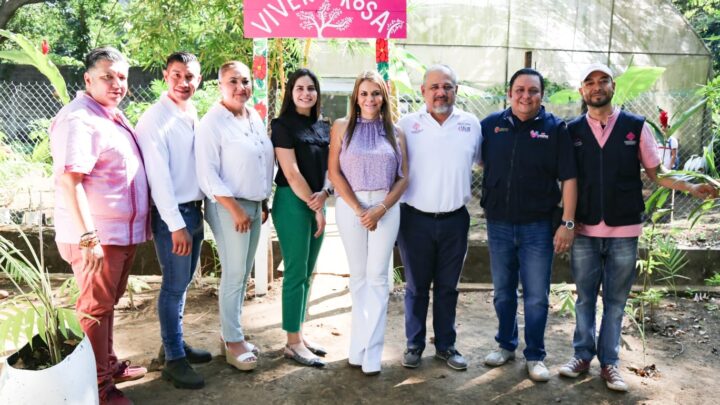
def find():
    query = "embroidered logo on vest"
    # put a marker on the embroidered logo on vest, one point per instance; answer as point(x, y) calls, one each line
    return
point(630, 139)
point(498, 129)
point(538, 135)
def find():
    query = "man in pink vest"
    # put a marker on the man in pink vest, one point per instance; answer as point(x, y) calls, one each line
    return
point(101, 206)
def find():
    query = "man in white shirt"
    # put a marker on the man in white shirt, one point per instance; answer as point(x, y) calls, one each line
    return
point(443, 142)
point(668, 153)
point(166, 136)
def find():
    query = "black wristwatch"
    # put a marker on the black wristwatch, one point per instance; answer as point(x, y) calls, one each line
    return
point(569, 224)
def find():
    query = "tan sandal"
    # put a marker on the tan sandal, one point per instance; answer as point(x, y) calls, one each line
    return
point(254, 349)
point(245, 362)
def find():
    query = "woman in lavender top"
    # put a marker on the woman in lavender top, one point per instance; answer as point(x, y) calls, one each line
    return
point(368, 167)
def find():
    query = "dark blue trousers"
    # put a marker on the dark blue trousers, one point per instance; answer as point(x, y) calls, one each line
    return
point(433, 252)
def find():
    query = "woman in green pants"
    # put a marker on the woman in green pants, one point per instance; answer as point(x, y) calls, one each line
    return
point(301, 142)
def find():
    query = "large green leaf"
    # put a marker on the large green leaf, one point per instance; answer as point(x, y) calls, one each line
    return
point(36, 58)
point(680, 118)
point(69, 317)
point(18, 57)
point(635, 81)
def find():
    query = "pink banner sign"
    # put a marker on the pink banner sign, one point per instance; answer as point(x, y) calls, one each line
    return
point(325, 18)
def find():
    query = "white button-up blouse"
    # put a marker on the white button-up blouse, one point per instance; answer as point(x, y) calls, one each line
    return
point(234, 155)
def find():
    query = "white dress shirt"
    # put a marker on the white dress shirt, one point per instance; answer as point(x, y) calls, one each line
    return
point(166, 137)
point(440, 159)
point(234, 155)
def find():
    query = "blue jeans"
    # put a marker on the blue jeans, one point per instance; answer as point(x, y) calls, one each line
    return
point(521, 252)
point(609, 262)
point(237, 255)
point(177, 272)
point(433, 252)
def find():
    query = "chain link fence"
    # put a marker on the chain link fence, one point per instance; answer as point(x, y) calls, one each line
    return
point(27, 109)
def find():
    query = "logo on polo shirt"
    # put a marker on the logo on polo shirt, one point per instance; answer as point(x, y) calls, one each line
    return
point(630, 139)
point(538, 135)
point(498, 129)
point(463, 126)
point(416, 128)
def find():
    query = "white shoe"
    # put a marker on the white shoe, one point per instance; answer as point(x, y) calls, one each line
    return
point(499, 357)
point(538, 371)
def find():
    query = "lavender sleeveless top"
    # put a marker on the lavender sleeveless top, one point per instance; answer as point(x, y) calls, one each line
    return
point(369, 162)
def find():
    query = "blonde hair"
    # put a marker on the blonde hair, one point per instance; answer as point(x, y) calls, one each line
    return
point(373, 77)
point(233, 64)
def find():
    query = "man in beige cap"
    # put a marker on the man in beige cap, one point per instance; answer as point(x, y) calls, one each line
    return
point(610, 146)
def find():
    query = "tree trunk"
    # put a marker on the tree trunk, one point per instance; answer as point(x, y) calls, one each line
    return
point(9, 7)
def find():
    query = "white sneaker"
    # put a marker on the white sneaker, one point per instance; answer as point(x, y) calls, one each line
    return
point(499, 357)
point(538, 371)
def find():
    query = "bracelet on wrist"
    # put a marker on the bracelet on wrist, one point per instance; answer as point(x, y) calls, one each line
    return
point(89, 240)
point(383, 206)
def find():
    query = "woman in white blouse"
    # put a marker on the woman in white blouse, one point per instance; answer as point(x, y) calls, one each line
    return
point(235, 166)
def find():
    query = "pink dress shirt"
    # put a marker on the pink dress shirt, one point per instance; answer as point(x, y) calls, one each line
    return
point(648, 158)
point(87, 138)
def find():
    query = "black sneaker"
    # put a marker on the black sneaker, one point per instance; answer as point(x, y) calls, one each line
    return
point(182, 375)
point(412, 357)
point(453, 358)
point(194, 356)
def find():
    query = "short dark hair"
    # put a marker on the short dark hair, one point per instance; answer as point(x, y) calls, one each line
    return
point(531, 72)
point(103, 53)
point(289, 104)
point(182, 57)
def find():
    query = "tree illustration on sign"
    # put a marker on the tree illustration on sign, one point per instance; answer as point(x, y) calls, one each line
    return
point(394, 26)
point(327, 19)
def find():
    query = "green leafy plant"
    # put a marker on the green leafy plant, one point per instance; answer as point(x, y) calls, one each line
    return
point(564, 292)
point(670, 262)
point(206, 96)
point(135, 285)
point(398, 275)
point(632, 83)
point(714, 280)
point(28, 54)
point(634, 312)
point(36, 308)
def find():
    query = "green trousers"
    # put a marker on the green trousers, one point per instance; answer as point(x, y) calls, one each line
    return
point(295, 225)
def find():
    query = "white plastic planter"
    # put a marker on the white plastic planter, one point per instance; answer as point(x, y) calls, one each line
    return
point(73, 381)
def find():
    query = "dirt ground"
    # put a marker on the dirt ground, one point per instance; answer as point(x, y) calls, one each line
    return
point(683, 344)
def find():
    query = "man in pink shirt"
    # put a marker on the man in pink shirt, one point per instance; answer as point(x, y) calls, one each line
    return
point(101, 206)
point(610, 146)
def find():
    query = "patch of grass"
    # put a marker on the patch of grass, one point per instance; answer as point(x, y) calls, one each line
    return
point(714, 280)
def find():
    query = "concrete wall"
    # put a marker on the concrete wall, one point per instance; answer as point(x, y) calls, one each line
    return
point(702, 263)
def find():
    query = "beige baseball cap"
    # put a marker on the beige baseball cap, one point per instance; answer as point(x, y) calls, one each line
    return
point(596, 67)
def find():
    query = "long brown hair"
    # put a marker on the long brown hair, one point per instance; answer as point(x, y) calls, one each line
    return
point(385, 115)
point(289, 104)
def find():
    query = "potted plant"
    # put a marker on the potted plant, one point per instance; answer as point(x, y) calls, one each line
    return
point(56, 365)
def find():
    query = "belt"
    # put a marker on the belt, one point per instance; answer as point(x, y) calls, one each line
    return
point(430, 214)
point(194, 204)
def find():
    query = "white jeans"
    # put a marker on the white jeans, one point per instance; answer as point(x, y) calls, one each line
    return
point(368, 256)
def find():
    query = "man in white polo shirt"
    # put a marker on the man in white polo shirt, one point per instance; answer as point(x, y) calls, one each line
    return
point(443, 142)
point(166, 136)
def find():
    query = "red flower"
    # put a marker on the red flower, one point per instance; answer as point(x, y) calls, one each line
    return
point(663, 119)
point(259, 67)
point(381, 50)
point(45, 47)
point(261, 109)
